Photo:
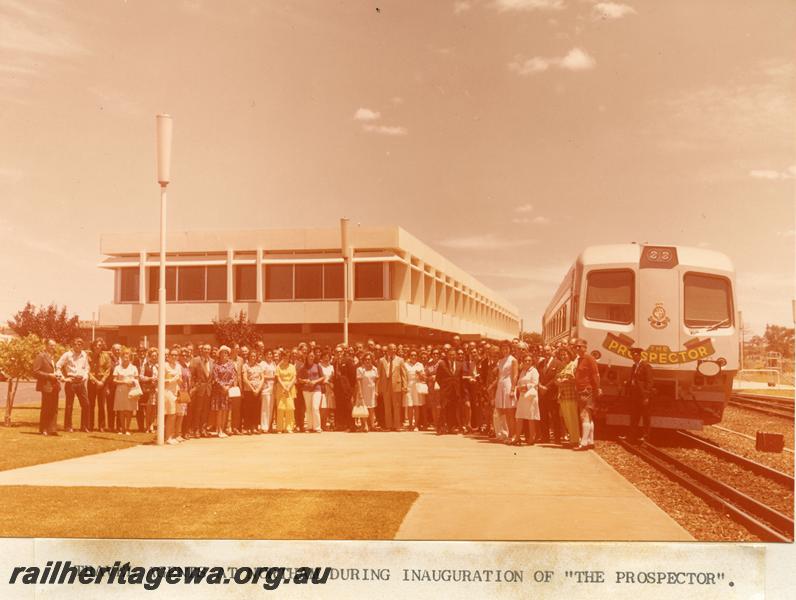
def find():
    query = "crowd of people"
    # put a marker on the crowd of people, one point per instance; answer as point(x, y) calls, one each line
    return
point(510, 391)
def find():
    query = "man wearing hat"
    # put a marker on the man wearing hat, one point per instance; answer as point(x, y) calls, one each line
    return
point(639, 388)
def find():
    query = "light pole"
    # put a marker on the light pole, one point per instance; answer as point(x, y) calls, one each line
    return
point(164, 167)
point(345, 249)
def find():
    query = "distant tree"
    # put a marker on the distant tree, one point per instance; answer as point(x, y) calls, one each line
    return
point(46, 322)
point(532, 338)
point(779, 339)
point(238, 330)
point(16, 362)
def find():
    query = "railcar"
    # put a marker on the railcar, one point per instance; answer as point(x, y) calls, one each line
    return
point(675, 302)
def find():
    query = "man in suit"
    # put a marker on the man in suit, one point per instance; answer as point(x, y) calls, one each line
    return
point(343, 382)
point(202, 385)
point(449, 377)
point(48, 384)
point(74, 367)
point(548, 397)
point(98, 374)
point(392, 387)
point(639, 388)
point(110, 390)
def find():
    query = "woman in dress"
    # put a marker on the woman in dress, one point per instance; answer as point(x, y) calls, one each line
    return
point(567, 396)
point(432, 400)
point(125, 375)
point(367, 381)
point(267, 407)
point(506, 388)
point(285, 394)
point(148, 402)
point(253, 381)
point(528, 401)
point(310, 378)
point(224, 377)
point(422, 390)
point(327, 389)
point(413, 401)
point(171, 383)
point(184, 395)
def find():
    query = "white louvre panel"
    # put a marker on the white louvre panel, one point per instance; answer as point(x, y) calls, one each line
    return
point(301, 261)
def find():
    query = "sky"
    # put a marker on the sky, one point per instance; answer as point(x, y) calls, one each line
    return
point(506, 134)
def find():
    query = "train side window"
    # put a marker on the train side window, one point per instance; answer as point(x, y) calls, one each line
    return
point(609, 296)
point(707, 301)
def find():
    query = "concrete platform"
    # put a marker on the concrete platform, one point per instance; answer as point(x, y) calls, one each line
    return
point(469, 489)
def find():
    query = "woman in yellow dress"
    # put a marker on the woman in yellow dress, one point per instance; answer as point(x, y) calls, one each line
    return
point(567, 397)
point(285, 394)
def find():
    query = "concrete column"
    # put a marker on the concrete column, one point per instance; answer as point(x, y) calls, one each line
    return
point(230, 281)
point(142, 278)
point(259, 267)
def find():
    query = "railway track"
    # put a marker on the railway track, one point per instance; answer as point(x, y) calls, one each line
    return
point(768, 405)
point(762, 520)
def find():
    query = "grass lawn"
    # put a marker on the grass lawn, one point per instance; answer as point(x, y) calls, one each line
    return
point(21, 445)
point(117, 512)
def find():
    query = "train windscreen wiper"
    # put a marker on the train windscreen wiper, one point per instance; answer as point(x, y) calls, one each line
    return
point(719, 324)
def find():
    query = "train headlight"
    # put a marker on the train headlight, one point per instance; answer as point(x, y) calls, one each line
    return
point(722, 362)
point(708, 368)
point(596, 354)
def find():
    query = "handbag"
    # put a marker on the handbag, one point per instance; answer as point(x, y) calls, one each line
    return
point(184, 397)
point(359, 411)
point(233, 392)
point(135, 391)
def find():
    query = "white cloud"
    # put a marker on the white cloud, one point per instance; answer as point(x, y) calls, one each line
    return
point(397, 100)
point(366, 114)
point(527, 5)
point(461, 6)
point(789, 173)
point(37, 30)
point(524, 208)
point(529, 66)
point(520, 220)
point(541, 220)
point(703, 245)
point(575, 60)
point(487, 241)
point(612, 10)
point(764, 174)
point(393, 130)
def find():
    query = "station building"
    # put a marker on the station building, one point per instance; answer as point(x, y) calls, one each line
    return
point(290, 284)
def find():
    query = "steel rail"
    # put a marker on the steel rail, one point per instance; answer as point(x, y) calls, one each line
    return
point(765, 411)
point(762, 403)
point(747, 463)
point(769, 524)
point(786, 400)
point(743, 435)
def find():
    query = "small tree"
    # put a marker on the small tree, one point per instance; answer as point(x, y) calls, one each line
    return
point(16, 363)
point(46, 322)
point(239, 330)
point(779, 339)
point(532, 338)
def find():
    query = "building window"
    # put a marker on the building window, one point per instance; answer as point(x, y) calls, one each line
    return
point(278, 282)
point(609, 296)
point(171, 283)
point(369, 281)
point(191, 284)
point(309, 282)
point(707, 301)
point(128, 284)
point(217, 284)
point(333, 282)
point(245, 283)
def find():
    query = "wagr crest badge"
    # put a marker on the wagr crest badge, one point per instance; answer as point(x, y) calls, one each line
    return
point(659, 320)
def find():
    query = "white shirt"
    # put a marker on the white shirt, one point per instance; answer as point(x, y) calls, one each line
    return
point(76, 364)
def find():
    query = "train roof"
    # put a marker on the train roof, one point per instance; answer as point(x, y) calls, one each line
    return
point(631, 253)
